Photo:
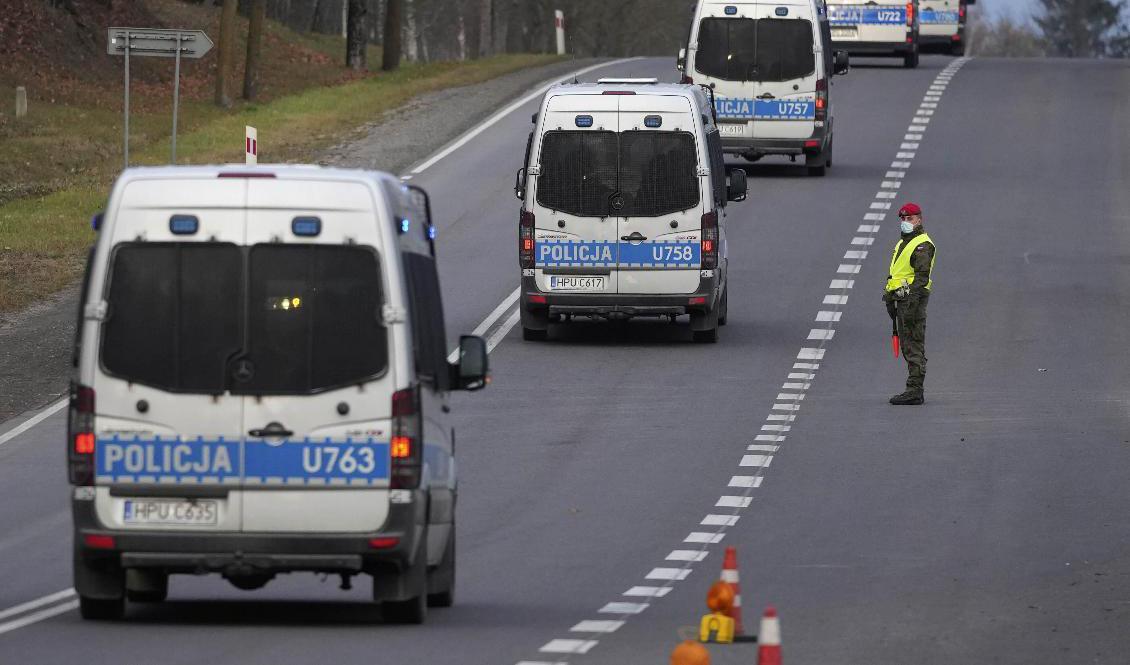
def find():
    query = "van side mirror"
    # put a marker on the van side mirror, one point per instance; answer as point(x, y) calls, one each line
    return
point(737, 187)
point(681, 62)
point(472, 371)
point(841, 63)
point(520, 184)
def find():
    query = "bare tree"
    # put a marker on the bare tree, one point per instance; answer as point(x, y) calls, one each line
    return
point(254, 49)
point(356, 41)
point(225, 58)
point(486, 40)
point(394, 12)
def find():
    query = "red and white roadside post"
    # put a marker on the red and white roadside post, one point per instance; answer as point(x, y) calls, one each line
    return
point(251, 146)
point(559, 23)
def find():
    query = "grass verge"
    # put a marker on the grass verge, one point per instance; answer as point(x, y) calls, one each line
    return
point(43, 239)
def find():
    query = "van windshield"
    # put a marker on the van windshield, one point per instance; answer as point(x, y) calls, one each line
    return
point(632, 174)
point(763, 50)
point(214, 317)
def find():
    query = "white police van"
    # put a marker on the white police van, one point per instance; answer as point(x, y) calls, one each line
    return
point(942, 25)
point(884, 28)
point(769, 64)
point(624, 194)
point(260, 387)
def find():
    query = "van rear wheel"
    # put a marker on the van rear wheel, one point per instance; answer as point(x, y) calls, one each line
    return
point(910, 60)
point(704, 326)
point(441, 580)
point(101, 609)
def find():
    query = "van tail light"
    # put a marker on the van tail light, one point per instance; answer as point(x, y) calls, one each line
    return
point(909, 14)
point(80, 436)
point(526, 239)
point(686, 79)
point(406, 445)
point(961, 12)
point(821, 100)
point(710, 241)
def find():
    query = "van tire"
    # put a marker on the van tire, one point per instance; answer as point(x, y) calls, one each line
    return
point(818, 171)
point(414, 609)
point(533, 335)
point(101, 609)
point(910, 60)
point(704, 326)
point(147, 586)
point(441, 580)
point(724, 307)
point(957, 49)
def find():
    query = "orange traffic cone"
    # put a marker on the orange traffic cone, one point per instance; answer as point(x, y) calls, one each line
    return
point(769, 639)
point(730, 574)
point(690, 653)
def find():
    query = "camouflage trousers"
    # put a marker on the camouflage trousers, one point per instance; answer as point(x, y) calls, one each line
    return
point(912, 339)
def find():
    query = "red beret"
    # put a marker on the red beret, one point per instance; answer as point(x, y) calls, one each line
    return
point(910, 209)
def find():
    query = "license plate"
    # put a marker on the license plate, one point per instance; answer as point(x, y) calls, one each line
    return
point(170, 512)
point(845, 33)
point(575, 283)
point(731, 129)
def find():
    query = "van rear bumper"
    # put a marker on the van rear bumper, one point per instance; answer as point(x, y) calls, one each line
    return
point(762, 147)
point(234, 554)
point(874, 48)
point(614, 306)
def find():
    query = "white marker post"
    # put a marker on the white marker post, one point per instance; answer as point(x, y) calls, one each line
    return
point(559, 22)
point(251, 146)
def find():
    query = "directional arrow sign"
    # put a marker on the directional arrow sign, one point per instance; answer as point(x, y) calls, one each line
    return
point(157, 42)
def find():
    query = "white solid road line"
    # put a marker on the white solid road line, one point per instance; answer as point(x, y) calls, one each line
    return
point(488, 322)
point(38, 602)
point(32, 421)
point(38, 616)
point(470, 136)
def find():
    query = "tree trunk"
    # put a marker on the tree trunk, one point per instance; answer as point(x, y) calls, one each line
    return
point(394, 12)
point(411, 32)
point(486, 40)
point(254, 49)
point(355, 44)
point(226, 55)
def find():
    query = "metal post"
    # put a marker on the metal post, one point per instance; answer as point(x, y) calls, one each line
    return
point(126, 151)
point(176, 99)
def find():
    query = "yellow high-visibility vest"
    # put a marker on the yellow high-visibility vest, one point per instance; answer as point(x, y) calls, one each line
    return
point(900, 262)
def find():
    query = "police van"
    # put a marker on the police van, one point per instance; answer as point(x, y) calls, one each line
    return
point(261, 387)
point(769, 65)
point(624, 193)
point(942, 25)
point(884, 28)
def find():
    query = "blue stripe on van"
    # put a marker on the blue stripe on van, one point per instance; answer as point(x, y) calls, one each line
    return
point(848, 15)
point(608, 254)
point(766, 109)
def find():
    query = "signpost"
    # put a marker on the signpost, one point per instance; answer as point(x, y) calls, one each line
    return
point(559, 24)
point(251, 145)
point(159, 43)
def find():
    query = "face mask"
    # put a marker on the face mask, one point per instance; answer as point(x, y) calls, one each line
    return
point(906, 227)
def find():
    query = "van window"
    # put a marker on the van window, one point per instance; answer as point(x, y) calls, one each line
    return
point(658, 173)
point(314, 318)
point(578, 172)
point(428, 333)
point(763, 50)
point(175, 314)
point(655, 172)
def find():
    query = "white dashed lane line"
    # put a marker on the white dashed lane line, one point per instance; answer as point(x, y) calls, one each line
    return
point(759, 456)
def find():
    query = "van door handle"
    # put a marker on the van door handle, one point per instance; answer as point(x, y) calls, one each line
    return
point(635, 237)
point(271, 430)
point(767, 95)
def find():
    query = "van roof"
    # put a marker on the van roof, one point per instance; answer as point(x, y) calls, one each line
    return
point(278, 171)
point(645, 87)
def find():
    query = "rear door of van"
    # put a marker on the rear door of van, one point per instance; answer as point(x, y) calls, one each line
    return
point(868, 21)
point(168, 435)
point(940, 18)
point(724, 58)
point(658, 203)
point(575, 230)
point(316, 374)
point(786, 72)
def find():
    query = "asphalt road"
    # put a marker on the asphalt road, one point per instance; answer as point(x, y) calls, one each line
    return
point(989, 525)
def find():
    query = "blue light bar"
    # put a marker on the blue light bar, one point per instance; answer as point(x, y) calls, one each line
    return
point(653, 121)
point(584, 121)
point(183, 225)
point(781, 11)
point(431, 233)
point(731, 10)
point(405, 224)
point(306, 227)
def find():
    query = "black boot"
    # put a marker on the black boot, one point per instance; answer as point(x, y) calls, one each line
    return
point(910, 397)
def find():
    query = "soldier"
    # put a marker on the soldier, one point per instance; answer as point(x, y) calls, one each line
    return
point(907, 294)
